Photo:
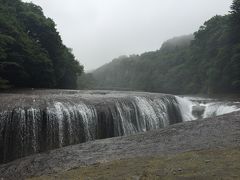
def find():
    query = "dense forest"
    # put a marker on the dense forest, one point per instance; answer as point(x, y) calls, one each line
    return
point(31, 50)
point(206, 62)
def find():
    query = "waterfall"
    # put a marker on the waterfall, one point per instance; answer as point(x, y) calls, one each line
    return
point(73, 119)
point(204, 107)
point(32, 124)
point(57, 123)
point(186, 108)
point(217, 109)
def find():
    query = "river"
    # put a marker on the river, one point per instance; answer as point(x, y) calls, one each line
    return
point(34, 121)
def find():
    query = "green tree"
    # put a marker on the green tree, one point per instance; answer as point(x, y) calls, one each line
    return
point(209, 62)
point(31, 50)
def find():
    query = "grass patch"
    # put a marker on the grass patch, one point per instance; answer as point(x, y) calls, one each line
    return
point(205, 164)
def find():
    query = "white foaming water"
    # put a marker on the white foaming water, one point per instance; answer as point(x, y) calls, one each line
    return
point(217, 109)
point(59, 114)
point(35, 115)
point(147, 112)
point(89, 116)
point(71, 114)
point(162, 113)
point(60, 123)
point(22, 125)
point(186, 106)
point(211, 109)
point(142, 114)
point(124, 113)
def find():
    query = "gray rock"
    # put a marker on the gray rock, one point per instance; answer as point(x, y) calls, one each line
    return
point(217, 132)
point(198, 111)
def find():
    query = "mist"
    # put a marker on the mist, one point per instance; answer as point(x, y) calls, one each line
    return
point(99, 31)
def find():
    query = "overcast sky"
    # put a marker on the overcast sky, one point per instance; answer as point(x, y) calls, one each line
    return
point(100, 30)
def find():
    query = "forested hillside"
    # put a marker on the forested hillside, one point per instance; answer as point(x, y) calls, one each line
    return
point(31, 50)
point(208, 62)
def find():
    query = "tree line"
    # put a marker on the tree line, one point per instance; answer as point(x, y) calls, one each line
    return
point(31, 50)
point(206, 62)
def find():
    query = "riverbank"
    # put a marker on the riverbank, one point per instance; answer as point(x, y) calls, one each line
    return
point(213, 133)
point(201, 164)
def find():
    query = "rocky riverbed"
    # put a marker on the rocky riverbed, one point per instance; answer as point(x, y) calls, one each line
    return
point(217, 133)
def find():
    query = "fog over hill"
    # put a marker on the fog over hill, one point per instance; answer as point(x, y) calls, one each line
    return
point(207, 62)
point(99, 31)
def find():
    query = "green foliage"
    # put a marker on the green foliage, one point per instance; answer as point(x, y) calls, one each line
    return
point(235, 7)
point(31, 50)
point(4, 84)
point(209, 62)
point(86, 81)
point(149, 71)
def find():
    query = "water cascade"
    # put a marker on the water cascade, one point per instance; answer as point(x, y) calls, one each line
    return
point(193, 108)
point(40, 121)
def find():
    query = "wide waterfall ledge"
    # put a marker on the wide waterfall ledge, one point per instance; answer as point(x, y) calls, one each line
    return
point(35, 121)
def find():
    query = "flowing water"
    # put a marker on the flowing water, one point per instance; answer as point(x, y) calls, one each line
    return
point(37, 121)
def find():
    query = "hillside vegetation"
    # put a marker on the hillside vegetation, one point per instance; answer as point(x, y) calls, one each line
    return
point(206, 62)
point(31, 50)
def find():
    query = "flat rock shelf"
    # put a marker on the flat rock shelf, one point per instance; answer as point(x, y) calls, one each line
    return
point(216, 132)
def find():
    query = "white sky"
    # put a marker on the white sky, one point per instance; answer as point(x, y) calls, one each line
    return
point(100, 30)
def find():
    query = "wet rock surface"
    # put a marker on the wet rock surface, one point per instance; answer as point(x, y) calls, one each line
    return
point(198, 111)
point(217, 132)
